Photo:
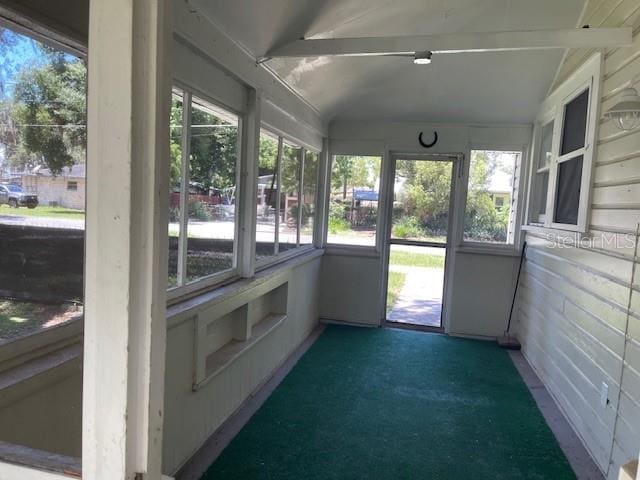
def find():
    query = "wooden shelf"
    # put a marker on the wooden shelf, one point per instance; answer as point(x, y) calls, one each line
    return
point(225, 356)
point(226, 331)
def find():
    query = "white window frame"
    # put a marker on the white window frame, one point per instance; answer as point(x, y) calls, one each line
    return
point(509, 247)
point(278, 256)
point(543, 120)
point(217, 278)
point(589, 75)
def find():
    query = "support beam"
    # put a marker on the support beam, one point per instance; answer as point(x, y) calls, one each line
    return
point(457, 43)
point(129, 100)
point(247, 199)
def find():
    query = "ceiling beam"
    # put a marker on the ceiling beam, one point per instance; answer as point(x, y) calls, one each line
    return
point(457, 42)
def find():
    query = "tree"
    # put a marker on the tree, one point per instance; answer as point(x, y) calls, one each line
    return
point(355, 172)
point(48, 113)
point(213, 153)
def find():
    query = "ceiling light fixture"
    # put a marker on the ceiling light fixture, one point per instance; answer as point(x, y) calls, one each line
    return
point(422, 58)
point(626, 113)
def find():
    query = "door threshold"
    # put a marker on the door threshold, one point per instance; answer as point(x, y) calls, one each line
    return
point(411, 326)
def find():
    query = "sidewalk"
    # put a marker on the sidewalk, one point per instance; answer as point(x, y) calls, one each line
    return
point(420, 300)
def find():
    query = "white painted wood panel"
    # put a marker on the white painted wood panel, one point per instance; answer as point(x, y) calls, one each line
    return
point(573, 309)
point(192, 416)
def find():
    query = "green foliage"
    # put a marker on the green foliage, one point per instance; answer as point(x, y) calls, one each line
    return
point(268, 159)
point(396, 281)
point(199, 211)
point(337, 218)
point(408, 227)
point(425, 199)
point(175, 145)
point(290, 170)
point(213, 152)
point(401, 257)
point(355, 172)
point(338, 225)
point(483, 221)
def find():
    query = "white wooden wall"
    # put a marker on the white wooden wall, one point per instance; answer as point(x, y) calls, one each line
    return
point(573, 303)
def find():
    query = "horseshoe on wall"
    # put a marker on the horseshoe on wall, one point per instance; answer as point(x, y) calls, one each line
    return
point(428, 145)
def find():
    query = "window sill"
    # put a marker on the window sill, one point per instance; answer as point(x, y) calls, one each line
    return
point(38, 344)
point(352, 251)
point(555, 232)
point(188, 308)
point(285, 256)
point(498, 250)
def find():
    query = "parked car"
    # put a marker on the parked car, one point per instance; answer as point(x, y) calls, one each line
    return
point(15, 197)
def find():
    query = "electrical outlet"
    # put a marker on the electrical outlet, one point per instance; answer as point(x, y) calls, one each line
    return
point(604, 394)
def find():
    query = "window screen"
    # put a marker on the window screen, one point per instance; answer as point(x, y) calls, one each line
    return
point(568, 191)
point(542, 183)
point(353, 200)
point(492, 174)
point(575, 123)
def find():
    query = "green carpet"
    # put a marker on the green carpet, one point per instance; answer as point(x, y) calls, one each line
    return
point(394, 404)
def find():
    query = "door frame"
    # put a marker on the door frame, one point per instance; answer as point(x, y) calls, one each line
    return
point(457, 170)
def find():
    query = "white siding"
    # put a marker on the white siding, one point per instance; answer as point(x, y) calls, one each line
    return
point(573, 315)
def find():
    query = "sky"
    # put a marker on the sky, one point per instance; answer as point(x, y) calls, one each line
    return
point(21, 52)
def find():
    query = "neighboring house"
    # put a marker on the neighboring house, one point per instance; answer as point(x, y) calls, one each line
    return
point(65, 190)
point(500, 189)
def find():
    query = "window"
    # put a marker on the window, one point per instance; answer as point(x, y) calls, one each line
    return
point(289, 198)
point(42, 137)
point(204, 188)
point(267, 196)
point(542, 163)
point(309, 191)
point(570, 159)
point(175, 187)
point(563, 152)
point(286, 196)
point(491, 196)
point(353, 202)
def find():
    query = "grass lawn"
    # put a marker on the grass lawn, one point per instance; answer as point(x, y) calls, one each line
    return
point(18, 318)
point(416, 259)
point(42, 211)
point(396, 282)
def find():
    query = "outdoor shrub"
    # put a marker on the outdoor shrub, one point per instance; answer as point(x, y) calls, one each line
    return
point(337, 210)
point(337, 225)
point(199, 211)
point(408, 227)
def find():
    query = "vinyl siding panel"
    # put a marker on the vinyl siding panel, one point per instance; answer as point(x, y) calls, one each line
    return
point(579, 302)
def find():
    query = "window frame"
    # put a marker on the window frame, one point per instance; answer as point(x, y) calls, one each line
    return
point(508, 247)
point(278, 256)
point(215, 280)
point(181, 290)
point(588, 76)
point(542, 121)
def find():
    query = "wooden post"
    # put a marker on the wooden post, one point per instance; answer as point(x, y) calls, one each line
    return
point(246, 205)
point(129, 100)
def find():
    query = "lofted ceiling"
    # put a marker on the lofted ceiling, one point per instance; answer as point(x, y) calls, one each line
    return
point(496, 87)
